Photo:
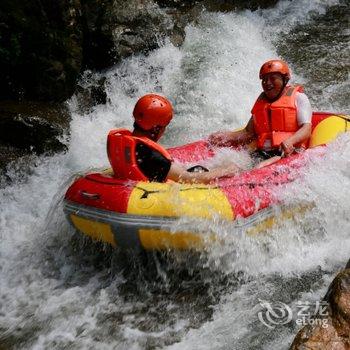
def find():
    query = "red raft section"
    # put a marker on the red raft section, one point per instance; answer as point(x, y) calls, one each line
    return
point(101, 191)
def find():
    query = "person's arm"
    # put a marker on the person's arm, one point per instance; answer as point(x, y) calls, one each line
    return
point(233, 138)
point(179, 174)
point(301, 135)
point(304, 116)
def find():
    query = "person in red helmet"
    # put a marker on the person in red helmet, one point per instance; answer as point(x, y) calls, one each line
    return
point(152, 114)
point(281, 117)
point(137, 156)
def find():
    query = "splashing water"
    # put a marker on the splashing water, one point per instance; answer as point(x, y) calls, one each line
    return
point(57, 291)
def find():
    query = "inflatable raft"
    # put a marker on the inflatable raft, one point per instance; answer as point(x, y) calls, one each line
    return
point(131, 214)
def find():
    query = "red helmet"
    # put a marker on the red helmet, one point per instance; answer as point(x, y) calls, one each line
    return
point(152, 110)
point(274, 66)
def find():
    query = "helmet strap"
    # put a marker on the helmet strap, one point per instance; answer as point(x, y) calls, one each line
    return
point(285, 80)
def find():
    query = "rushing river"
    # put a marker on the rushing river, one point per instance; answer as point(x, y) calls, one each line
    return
point(59, 292)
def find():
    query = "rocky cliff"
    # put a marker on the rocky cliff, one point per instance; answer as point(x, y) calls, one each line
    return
point(46, 45)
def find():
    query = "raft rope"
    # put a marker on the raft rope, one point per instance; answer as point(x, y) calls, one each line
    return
point(250, 185)
point(346, 117)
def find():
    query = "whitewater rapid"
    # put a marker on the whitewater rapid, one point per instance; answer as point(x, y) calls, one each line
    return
point(56, 292)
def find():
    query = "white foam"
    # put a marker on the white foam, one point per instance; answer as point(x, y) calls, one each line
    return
point(213, 83)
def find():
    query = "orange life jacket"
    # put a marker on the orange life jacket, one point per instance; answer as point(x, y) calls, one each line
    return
point(121, 149)
point(276, 121)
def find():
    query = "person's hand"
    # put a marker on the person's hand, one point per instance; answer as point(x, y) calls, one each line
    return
point(229, 170)
point(287, 148)
point(220, 138)
point(233, 169)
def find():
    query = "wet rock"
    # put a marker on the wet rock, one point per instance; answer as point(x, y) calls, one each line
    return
point(249, 4)
point(333, 330)
point(230, 5)
point(121, 29)
point(90, 94)
point(41, 49)
point(29, 127)
point(177, 3)
point(46, 45)
point(98, 46)
point(220, 5)
point(141, 26)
